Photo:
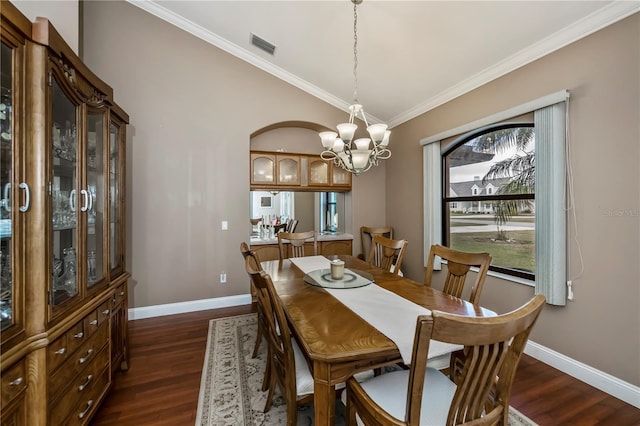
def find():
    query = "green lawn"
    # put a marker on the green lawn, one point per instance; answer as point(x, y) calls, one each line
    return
point(519, 253)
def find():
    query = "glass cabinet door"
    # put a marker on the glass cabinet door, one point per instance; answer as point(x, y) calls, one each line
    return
point(94, 196)
point(115, 209)
point(66, 199)
point(6, 179)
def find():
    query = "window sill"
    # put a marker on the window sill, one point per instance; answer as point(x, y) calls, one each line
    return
point(503, 276)
point(507, 277)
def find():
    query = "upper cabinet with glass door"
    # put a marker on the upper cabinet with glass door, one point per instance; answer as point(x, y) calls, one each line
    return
point(14, 191)
point(276, 171)
point(116, 150)
point(84, 167)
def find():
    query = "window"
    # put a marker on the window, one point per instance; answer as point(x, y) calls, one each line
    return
point(547, 202)
point(329, 212)
point(489, 196)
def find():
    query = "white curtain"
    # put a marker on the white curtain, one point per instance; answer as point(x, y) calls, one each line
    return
point(432, 174)
point(551, 217)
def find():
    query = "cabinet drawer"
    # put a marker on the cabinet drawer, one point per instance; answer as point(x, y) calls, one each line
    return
point(118, 296)
point(13, 381)
point(78, 406)
point(91, 323)
point(14, 414)
point(75, 337)
point(77, 361)
point(57, 353)
point(103, 312)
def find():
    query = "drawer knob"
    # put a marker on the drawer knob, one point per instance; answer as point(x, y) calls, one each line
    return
point(86, 357)
point(60, 351)
point(78, 335)
point(105, 312)
point(122, 293)
point(86, 410)
point(16, 382)
point(86, 383)
point(94, 322)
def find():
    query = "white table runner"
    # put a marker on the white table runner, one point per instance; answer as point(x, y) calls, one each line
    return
point(393, 315)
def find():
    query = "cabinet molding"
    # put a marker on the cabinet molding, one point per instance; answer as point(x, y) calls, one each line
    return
point(311, 174)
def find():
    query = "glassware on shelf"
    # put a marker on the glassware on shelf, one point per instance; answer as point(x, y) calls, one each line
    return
point(5, 115)
point(63, 210)
point(91, 267)
point(57, 276)
point(69, 277)
point(6, 291)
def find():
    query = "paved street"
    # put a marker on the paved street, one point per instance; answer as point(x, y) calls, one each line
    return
point(486, 223)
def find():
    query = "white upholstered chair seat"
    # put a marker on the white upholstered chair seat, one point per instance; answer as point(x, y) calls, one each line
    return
point(389, 391)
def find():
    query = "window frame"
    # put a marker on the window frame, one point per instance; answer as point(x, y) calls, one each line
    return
point(446, 200)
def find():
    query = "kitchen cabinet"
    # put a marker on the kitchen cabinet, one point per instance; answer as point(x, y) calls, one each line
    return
point(295, 172)
point(327, 245)
point(274, 169)
point(63, 277)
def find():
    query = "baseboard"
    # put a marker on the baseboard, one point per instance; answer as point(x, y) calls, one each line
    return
point(596, 378)
point(191, 306)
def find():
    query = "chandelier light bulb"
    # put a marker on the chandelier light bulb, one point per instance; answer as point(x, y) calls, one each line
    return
point(376, 131)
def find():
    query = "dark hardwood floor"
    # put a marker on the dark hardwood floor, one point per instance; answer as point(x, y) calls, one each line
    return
point(167, 353)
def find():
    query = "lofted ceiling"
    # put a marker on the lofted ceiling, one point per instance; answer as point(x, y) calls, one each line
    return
point(412, 55)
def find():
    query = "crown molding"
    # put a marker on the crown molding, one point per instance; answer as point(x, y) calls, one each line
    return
point(597, 20)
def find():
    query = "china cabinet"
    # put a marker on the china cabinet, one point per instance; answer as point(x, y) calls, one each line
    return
point(296, 172)
point(63, 304)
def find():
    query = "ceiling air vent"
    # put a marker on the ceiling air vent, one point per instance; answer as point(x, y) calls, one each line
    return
point(263, 44)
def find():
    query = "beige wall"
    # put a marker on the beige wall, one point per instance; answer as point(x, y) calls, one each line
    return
point(63, 14)
point(193, 108)
point(601, 328)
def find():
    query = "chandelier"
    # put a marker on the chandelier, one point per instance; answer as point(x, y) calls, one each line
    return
point(356, 156)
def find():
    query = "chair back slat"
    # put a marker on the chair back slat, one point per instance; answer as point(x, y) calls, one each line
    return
point(387, 254)
point(458, 266)
point(366, 238)
point(296, 244)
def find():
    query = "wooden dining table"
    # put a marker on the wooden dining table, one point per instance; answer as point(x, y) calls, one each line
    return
point(337, 341)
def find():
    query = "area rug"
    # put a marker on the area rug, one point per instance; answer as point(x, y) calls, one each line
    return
point(230, 392)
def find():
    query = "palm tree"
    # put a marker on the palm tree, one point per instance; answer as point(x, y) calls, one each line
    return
point(519, 169)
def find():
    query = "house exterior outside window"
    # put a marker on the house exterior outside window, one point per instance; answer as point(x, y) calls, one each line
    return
point(489, 197)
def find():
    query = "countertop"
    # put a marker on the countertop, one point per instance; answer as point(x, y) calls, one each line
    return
point(256, 241)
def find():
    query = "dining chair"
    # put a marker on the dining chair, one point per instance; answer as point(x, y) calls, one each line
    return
point(366, 238)
point(291, 225)
point(289, 368)
point(292, 244)
point(459, 264)
point(425, 396)
point(252, 263)
point(387, 254)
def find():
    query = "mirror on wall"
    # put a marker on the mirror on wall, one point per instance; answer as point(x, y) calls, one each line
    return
point(320, 211)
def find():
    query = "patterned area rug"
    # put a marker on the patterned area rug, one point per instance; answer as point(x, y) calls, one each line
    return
point(230, 392)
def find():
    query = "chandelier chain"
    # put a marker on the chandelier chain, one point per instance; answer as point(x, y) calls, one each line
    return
point(356, 154)
point(355, 53)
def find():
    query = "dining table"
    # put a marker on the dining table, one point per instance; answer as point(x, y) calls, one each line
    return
point(336, 340)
